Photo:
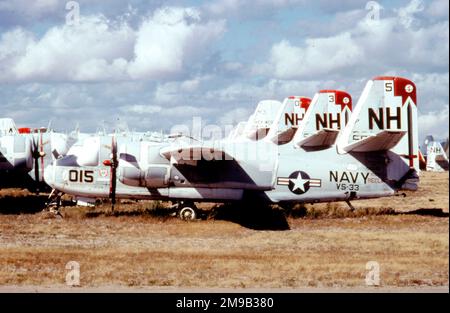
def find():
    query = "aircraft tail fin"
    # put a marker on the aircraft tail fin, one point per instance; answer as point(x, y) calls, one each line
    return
point(385, 119)
point(386, 110)
point(437, 160)
point(328, 113)
point(261, 120)
point(8, 127)
point(288, 119)
point(446, 145)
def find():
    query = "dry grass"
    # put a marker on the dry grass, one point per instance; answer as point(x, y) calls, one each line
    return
point(326, 246)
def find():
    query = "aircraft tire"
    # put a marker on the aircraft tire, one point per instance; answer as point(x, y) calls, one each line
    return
point(187, 213)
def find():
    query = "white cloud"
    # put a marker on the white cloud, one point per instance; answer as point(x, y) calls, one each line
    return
point(234, 116)
point(170, 38)
point(226, 7)
point(389, 44)
point(338, 22)
point(166, 93)
point(406, 14)
point(178, 91)
point(434, 123)
point(14, 42)
point(99, 49)
point(97, 69)
point(318, 57)
point(233, 66)
point(246, 9)
point(190, 85)
point(34, 8)
point(432, 91)
point(94, 50)
point(141, 109)
point(187, 111)
point(438, 8)
point(250, 94)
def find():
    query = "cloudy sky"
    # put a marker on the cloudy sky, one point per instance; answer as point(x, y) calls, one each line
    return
point(152, 64)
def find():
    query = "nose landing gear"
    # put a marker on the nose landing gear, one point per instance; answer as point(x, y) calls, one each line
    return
point(54, 202)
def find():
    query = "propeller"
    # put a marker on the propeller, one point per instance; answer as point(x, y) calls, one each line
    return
point(113, 163)
point(35, 154)
point(38, 154)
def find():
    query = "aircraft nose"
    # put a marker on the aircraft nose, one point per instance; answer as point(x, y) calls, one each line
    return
point(49, 175)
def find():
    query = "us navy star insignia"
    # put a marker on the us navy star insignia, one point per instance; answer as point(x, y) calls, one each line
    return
point(299, 182)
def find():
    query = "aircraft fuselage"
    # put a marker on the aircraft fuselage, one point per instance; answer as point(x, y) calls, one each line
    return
point(263, 169)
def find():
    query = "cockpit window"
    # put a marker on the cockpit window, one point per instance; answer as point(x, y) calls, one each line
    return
point(69, 160)
point(128, 157)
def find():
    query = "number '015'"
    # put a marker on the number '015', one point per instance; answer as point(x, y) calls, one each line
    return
point(80, 176)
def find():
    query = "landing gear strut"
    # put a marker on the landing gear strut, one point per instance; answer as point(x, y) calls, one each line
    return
point(54, 202)
point(351, 197)
point(352, 208)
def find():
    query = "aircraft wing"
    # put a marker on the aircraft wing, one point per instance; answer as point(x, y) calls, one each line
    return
point(323, 138)
point(384, 140)
point(191, 153)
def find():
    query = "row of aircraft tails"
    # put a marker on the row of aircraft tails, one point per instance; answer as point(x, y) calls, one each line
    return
point(301, 150)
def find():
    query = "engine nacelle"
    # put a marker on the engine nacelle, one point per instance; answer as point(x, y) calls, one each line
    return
point(155, 176)
point(16, 153)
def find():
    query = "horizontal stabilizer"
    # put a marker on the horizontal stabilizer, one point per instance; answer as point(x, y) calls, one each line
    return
point(258, 133)
point(382, 141)
point(323, 138)
point(284, 137)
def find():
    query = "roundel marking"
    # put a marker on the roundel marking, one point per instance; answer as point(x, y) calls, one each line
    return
point(299, 182)
point(409, 88)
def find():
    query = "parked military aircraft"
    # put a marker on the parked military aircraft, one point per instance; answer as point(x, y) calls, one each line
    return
point(25, 152)
point(90, 148)
point(436, 159)
point(273, 120)
point(288, 119)
point(333, 156)
point(445, 145)
point(261, 120)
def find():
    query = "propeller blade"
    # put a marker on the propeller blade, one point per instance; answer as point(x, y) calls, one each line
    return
point(35, 154)
point(114, 165)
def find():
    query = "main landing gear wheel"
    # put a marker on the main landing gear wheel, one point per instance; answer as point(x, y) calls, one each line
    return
point(187, 212)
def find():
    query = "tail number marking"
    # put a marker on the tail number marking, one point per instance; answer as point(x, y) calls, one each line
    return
point(81, 176)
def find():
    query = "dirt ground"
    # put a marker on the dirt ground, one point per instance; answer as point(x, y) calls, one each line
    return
point(141, 247)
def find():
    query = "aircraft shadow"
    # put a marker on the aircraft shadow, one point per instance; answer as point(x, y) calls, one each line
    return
point(436, 212)
point(311, 213)
point(22, 205)
point(256, 217)
point(157, 213)
point(261, 218)
point(21, 180)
